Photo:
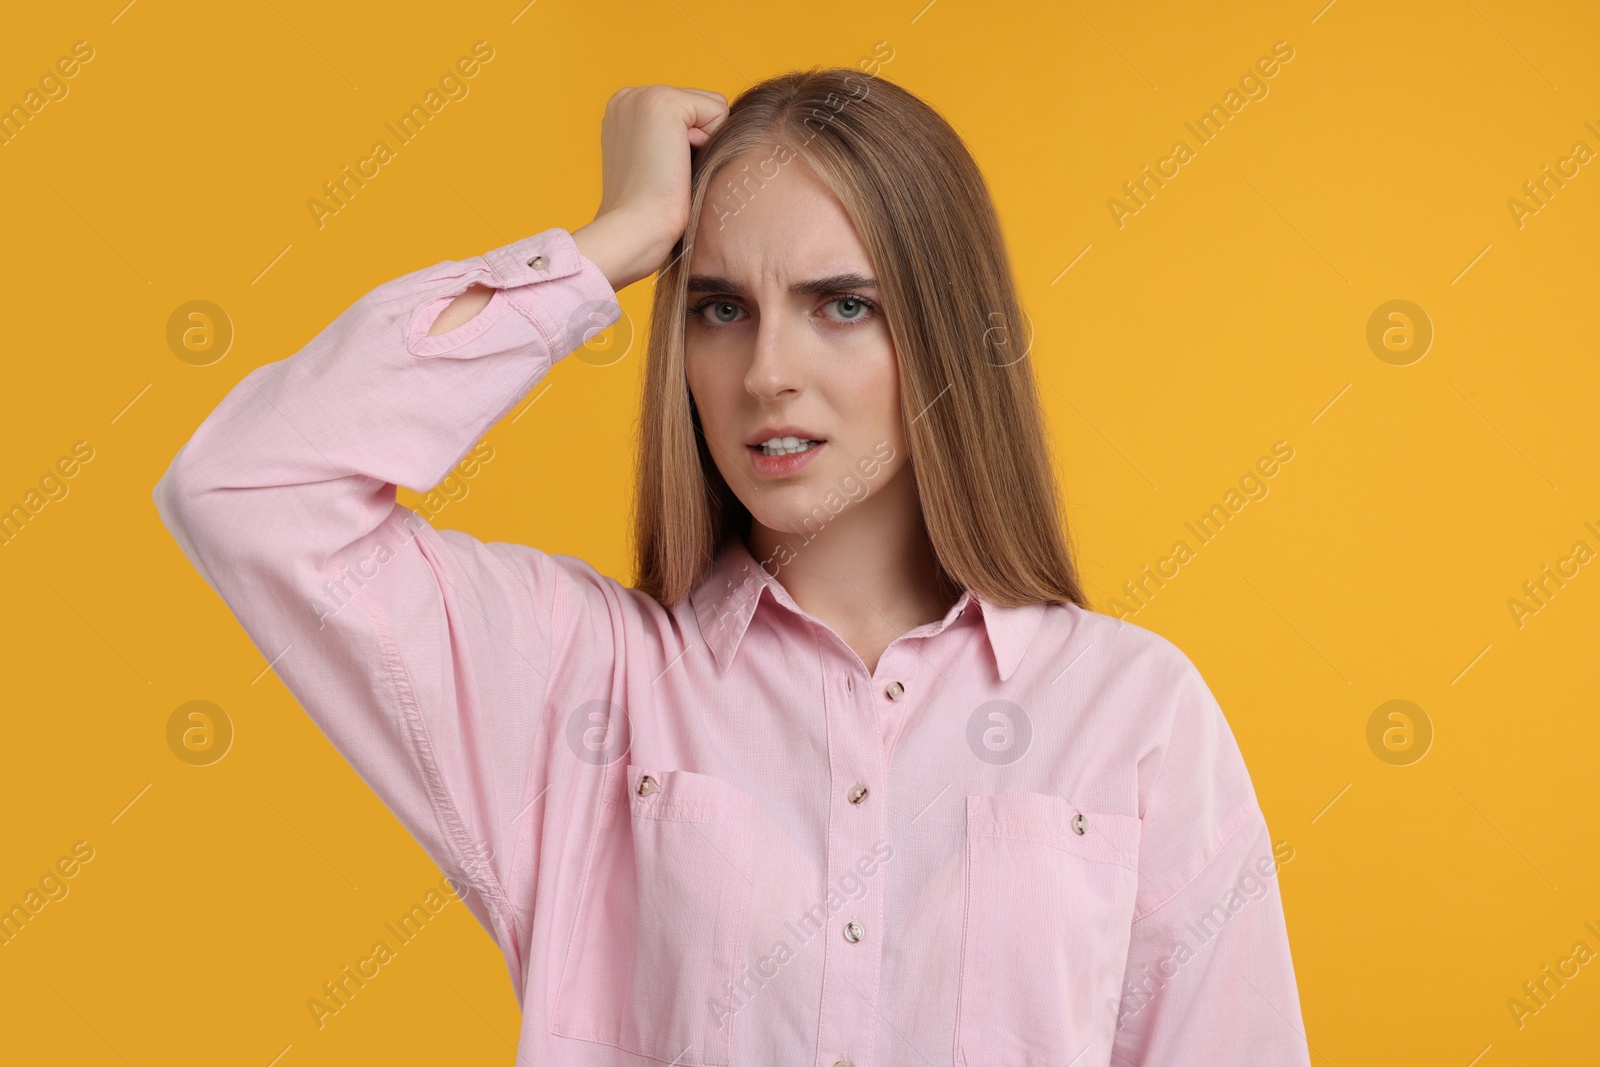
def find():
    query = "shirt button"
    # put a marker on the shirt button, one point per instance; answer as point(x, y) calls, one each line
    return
point(895, 690)
point(1079, 824)
point(647, 785)
point(857, 793)
point(853, 932)
point(538, 263)
point(841, 1063)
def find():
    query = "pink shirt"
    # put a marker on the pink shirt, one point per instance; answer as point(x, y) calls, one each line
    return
point(707, 835)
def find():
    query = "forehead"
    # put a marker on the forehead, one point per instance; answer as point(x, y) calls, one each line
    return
point(766, 221)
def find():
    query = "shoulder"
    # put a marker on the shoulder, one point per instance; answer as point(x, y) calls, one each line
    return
point(574, 600)
point(590, 607)
point(1114, 650)
point(1136, 686)
point(580, 589)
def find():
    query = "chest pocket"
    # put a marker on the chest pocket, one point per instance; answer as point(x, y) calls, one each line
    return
point(658, 938)
point(1045, 930)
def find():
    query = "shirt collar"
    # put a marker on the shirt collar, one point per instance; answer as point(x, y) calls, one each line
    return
point(726, 596)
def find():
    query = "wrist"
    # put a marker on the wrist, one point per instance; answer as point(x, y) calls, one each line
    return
point(613, 243)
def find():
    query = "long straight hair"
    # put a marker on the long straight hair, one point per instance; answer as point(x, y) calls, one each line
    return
point(974, 426)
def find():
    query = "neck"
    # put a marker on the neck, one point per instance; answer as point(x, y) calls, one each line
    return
point(870, 574)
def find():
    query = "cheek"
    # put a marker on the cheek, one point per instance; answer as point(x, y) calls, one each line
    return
point(708, 388)
point(876, 400)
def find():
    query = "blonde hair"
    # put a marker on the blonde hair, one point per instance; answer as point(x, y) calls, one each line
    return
point(974, 426)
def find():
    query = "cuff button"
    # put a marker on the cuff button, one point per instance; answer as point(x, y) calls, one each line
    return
point(538, 263)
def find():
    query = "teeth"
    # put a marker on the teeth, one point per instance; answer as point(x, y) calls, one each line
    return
point(784, 446)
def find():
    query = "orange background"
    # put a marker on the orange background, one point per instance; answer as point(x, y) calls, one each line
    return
point(1228, 313)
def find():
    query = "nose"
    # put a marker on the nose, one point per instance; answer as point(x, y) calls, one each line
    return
point(774, 365)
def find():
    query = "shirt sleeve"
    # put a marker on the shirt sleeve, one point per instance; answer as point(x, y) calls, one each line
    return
point(1209, 977)
point(423, 655)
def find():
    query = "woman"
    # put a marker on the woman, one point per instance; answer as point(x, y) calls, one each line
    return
point(851, 775)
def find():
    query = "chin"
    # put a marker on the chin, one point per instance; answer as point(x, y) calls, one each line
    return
point(801, 511)
point(785, 516)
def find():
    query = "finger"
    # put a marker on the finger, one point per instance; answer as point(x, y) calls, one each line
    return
point(705, 92)
point(706, 109)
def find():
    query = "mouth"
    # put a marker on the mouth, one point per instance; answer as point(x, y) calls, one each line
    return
point(781, 457)
point(785, 445)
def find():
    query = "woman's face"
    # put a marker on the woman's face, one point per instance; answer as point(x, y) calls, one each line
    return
point(786, 338)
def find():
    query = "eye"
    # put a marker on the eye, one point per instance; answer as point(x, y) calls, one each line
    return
point(718, 309)
point(854, 308)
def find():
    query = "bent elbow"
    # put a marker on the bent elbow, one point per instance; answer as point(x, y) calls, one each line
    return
point(175, 493)
point(199, 517)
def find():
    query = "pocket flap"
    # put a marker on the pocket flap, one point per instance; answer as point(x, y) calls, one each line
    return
point(1048, 819)
point(688, 796)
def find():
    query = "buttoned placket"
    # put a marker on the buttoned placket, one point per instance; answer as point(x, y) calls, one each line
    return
point(862, 712)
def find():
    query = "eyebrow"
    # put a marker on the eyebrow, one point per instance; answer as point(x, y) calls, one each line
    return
point(833, 283)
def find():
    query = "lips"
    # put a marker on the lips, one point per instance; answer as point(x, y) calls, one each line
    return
point(767, 433)
point(784, 463)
